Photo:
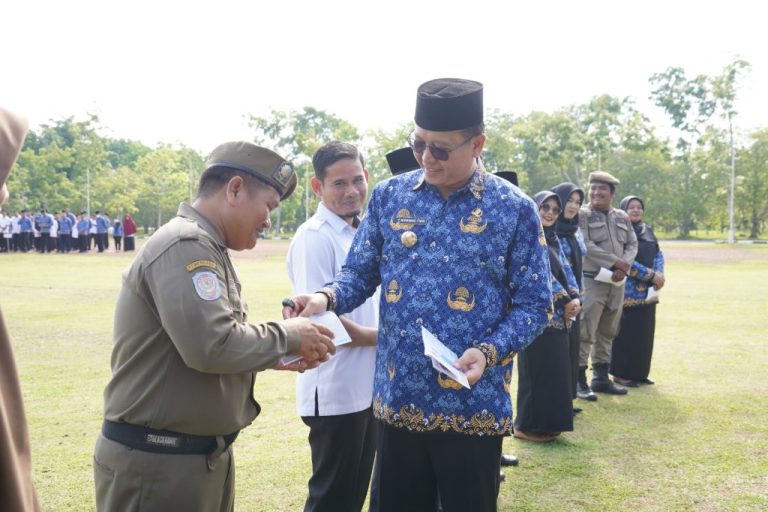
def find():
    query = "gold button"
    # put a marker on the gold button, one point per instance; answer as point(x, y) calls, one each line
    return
point(408, 238)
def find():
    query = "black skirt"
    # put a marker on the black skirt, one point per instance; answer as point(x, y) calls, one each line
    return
point(574, 343)
point(633, 346)
point(544, 403)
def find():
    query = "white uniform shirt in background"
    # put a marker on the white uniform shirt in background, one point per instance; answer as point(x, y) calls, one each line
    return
point(345, 383)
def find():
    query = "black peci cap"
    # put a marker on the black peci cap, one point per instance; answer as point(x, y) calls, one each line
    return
point(448, 104)
point(402, 160)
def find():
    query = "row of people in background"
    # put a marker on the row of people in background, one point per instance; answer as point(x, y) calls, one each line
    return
point(63, 232)
point(610, 320)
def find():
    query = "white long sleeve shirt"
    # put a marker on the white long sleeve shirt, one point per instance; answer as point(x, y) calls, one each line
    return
point(345, 383)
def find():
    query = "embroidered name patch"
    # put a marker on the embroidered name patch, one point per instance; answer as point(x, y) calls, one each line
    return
point(207, 285)
point(200, 263)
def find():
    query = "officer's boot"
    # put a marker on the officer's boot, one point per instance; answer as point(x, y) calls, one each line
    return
point(582, 390)
point(602, 384)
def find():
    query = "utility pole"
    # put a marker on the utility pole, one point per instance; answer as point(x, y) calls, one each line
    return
point(731, 226)
point(88, 191)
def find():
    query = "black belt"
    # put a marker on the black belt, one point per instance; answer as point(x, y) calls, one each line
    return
point(162, 441)
point(590, 275)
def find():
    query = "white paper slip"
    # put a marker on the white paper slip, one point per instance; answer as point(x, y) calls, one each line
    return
point(653, 293)
point(442, 358)
point(331, 321)
point(604, 276)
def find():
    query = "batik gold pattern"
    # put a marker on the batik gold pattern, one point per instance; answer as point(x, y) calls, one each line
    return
point(474, 224)
point(461, 302)
point(413, 418)
point(394, 292)
point(501, 266)
point(490, 352)
point(403, 220)
point(447, 382)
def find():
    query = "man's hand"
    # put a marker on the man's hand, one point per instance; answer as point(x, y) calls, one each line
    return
point(305, 305)
point(658, 281)
point(472, 362)
point(316, 341)
point(297, 366)
point(618, 275)
point(621, 265)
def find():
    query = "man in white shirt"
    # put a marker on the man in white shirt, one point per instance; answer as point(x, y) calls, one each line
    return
point(334, 400)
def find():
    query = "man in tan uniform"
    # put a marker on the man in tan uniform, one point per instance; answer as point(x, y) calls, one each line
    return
point(16, 490)
point(185, 355)
point(611, 244)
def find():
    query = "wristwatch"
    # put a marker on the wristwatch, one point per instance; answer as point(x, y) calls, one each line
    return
point(330, 294)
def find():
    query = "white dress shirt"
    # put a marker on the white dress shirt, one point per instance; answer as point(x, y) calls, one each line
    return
point(345, 383)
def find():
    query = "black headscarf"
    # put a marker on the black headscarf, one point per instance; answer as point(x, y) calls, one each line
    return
point(553, 244)
point(566, 228)
point(647, 245)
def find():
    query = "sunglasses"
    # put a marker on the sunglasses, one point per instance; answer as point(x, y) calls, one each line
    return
point(442, 154)
point(546, 208)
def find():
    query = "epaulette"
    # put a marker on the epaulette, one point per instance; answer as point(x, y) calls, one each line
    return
point(189, 230)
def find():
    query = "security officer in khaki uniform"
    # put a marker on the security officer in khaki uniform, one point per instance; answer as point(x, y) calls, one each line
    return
point(611, 244)
point(185, 356)
point(16, 490)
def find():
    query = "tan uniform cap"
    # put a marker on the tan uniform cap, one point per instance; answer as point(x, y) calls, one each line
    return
point(603, 177)
point(261, 163)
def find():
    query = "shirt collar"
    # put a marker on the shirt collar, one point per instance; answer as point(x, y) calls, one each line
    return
point(337, 223)
point(188, 211)
point(475, 185)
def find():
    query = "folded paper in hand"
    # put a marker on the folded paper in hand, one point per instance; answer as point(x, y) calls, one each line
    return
point(331, 321)
point(604, 276)
point(442, 358)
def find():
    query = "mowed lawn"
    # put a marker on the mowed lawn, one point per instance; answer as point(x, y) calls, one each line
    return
point(697, 440)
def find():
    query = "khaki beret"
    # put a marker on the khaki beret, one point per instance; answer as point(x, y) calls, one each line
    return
point(261, 163)
point(603, 177)
point(13, 131)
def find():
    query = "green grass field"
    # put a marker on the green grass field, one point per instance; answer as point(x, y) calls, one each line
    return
point(698, 440)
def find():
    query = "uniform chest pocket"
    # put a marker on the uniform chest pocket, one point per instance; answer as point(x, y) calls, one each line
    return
point(622, 231)
point(598, 231)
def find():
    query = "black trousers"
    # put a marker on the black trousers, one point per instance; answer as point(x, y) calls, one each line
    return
point(117, 242)
point(413, 469)
point(83, 242)
point(343, 449)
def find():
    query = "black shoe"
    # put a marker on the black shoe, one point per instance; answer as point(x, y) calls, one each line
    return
point(607, 387)
point(502, 476)
point(583, 392)
point(509, 460)
point(629, 383)
point(577, 410)
point(647, 382)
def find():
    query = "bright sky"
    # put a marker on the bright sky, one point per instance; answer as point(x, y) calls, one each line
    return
point(173, 71)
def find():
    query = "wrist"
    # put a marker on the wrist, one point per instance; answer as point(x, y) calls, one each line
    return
point(330, 296)
point(490, 353)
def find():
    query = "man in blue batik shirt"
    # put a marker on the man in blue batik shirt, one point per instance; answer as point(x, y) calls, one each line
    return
point(461, 253)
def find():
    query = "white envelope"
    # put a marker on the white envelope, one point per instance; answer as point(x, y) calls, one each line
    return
point(331, 321)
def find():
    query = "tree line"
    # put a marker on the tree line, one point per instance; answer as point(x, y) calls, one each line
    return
point(683, 176)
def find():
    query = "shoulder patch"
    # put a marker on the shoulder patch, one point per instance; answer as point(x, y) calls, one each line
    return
point(200, 263)
point(207, 285)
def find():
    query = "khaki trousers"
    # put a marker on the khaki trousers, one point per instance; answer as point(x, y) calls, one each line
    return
point(133, 480)
point(600, 318)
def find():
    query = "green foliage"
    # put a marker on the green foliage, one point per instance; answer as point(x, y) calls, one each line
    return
point(687, 180)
